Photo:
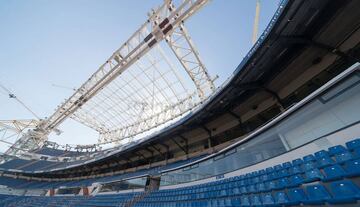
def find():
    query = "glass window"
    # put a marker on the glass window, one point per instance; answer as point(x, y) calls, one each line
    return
point(329, 112)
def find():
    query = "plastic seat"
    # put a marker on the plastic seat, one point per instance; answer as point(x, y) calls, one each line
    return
point(295, 170)
point(334, 172)
point(297, 162)
point(273, 175)
point(308, 166)
point(337, 150)
point(236, 191)
point(251, 189)
point(235, 202)
point(356, 153)
point(261, 187)
point(287, 165)
point(261, 172)
point(309, 158)
point(267, 199)
point(317, 194)
point(283, 183)
point(255, 179)
point(352, 168)
point(281, 198)
point(344, 191)
point(255, 200)
point(324, 161)
point(296, 196)
point(343, 157)
point(313, 175)
point(283, 173)
point(243, 190)
point(269, 170)
point(278, 167)
point(321, 153)
point(296, 180)
point(245, 201)
point(271, 185)
point(264, 177)
point(353, 144)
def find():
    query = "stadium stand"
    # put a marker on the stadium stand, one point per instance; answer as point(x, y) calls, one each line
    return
point(26, 184)
point(289, 183)
point(300, 149)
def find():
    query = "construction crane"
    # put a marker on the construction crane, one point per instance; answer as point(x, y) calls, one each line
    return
point(13, 96)
point(256, 22)
point(15, 129)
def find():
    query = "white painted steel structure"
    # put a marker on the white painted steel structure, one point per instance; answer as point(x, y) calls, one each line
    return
point(138, 88)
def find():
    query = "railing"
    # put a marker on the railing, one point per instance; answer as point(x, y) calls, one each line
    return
point(136, 199)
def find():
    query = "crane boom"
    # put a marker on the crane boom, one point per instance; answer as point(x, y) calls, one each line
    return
point(256, 22)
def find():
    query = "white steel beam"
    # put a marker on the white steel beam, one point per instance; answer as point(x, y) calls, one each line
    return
point(167, 114)
point(138, 44)
point(186, 52)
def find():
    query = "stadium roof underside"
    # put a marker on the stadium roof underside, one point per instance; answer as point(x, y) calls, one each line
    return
point(309, 43)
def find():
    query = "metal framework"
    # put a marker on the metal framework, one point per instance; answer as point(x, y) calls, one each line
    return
point(14, 130)
point(139, 87)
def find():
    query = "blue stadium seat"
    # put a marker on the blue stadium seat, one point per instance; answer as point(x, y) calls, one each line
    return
point(283, 183)
point(287, 165)
point(251, 189)
point(261, 187)
point(255, 200)
point(317, 194)
point(243, 190)
point(278, 167)
point(269, 170)
point(271, 185)
point(324, 161)
point(255, 179)
point(309, 158)
point(281, 198)
point(283, 173)
point(296, 196)
point(337, 150)
point(262, 172)
point(353, 144)
point(297, 162)
point(308, 166)
point(334, 172)
point(267, 199)
point(296, 180)
point(343, 157)
point(245, 201)
point(356, 153)
point(313, 175)
point(264, 177)
point(321, 153)
point(344, 191)
point(235, 202)
point(236, 191)
point(352, 168)
point(295, 170)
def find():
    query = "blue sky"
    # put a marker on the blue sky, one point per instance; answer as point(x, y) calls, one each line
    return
point(45, 42)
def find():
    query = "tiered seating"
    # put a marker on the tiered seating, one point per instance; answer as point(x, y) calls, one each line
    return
point(50, 151)
point(14, 163)
point(325, 177)
point(74, 201)
point(24, 184)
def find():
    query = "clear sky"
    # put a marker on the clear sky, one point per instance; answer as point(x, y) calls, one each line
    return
point(45, 42)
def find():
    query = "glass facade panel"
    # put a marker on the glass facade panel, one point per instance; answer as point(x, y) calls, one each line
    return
point(136, 183)
point(329, 112)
